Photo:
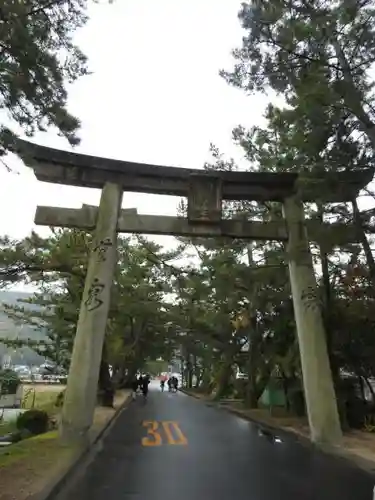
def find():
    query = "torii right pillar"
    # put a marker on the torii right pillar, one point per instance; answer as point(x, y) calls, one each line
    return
point(319, 390)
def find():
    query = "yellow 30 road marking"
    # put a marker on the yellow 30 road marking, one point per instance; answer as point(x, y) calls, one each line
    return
point(169, 427)
point(172, 433)
point(154, 438)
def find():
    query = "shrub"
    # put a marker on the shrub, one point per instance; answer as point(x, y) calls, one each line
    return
point(34, 421)
point(9, 381)
point(60, 399)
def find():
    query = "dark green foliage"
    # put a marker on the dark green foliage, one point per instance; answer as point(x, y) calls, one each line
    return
point(35, 421)
point(318, 56)
point(138, 328)
point(38, 60)
point(9, 381)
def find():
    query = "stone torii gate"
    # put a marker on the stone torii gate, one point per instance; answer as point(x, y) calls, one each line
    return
point(205, 192)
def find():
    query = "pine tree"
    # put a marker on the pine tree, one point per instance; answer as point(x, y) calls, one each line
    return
point(38, 58)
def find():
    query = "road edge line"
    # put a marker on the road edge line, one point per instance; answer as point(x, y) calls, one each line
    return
point(337, 452)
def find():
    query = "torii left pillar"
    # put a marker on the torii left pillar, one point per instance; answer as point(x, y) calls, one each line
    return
point(81, 392)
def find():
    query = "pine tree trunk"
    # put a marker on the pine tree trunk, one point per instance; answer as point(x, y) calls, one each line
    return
point(352, 95)
point(223, 381)
point(363, 240)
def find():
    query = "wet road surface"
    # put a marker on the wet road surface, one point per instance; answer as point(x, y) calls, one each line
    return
point(174, 447)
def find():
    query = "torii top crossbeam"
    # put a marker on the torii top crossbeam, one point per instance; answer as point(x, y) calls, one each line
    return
point(75, 169)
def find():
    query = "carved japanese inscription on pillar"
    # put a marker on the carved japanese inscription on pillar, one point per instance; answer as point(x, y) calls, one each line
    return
point(204, 199)
point(310, 297)
point(101, 249)
point(94, 300)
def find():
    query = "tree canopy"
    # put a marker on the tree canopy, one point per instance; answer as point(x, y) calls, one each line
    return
point(38, 61)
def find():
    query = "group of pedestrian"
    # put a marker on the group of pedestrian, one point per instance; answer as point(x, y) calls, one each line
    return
point(141, 383)
point(172, 384)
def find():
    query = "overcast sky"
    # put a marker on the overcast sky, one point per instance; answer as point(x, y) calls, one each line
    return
point(155, 96)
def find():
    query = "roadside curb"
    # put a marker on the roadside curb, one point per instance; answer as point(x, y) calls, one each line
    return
point(333, 451)
point(190, 394)
point(336, 451)
point(271, 428)
point(57, 483)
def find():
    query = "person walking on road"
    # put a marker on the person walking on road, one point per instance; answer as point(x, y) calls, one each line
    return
point(175, 384)
point(162, 384)
point(144, 385)
point(170, 384)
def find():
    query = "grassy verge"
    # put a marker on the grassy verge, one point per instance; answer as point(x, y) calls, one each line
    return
point(37, 447)
point(28, 466)
point(41, 397)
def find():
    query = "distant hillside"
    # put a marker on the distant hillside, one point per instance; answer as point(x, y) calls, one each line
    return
point(9, 329)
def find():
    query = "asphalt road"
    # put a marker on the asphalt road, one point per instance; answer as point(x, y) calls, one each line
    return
point(174, 447)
